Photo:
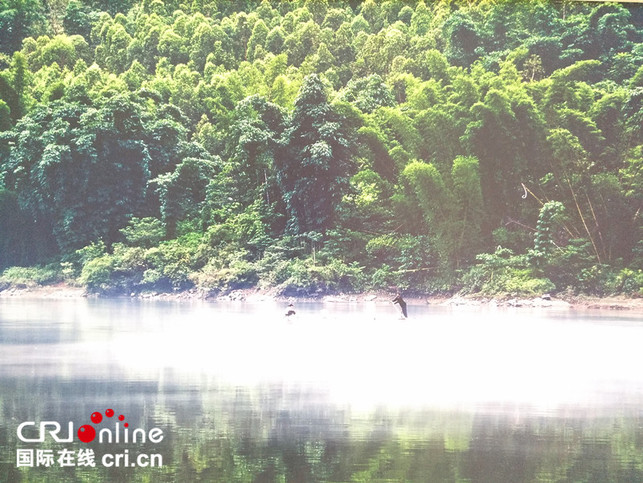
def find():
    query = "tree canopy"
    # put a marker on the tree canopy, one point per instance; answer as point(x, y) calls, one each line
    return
point(314, 146)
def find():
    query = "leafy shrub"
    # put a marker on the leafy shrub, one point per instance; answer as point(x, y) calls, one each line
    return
point(340, 276)
point(30, 276)
point(344, 244)
point(550, 214)
point(505, 281)
point(502, 272)
point(294, 278)
point(239, 274)
point(514, 239)
point(603, 280)
point(245, 230)
point(143, 232)
point(383, 248)
point(384, 277)
point(305, 277)
point(406, 252)
point(73, 263)
point(519, 282)
point(593, 280)
point(131, 269)
point(96, 274)
point(572, 266)
point(630, 282)
point(174, 261)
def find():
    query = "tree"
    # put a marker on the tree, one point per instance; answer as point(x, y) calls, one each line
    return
point(462, 36)
point(503, 135)
point(114, 41)
point(254, 137)
point(440, 135)
point(317, 8)
point(10, 101)
point(18, 91)
point(550, 214)
point(373, 148)
point(275, 40)
point(83, 172)
point(77, 19)
point(451, 206)
point(488, 101)
point(183, 192)
point(428, 191)
point(303, 42)
point(467, 194)
point(5, 116)
point(378, 52)
point(257, 39)
point(22, 241)
point(315, 166)
point(570, 168)
point(18, 19)
point(420, 19)
point(368, 93)
point(62, 49)
point(533, 68)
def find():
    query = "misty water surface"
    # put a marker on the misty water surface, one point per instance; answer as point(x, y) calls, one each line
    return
point(340, 392)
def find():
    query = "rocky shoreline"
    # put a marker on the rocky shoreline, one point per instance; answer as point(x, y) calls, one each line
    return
point(63, 291)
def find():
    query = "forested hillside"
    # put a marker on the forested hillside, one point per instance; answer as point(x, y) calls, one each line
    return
point(488, 146)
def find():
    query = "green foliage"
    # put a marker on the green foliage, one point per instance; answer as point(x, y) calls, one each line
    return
point(96, 274)
point(143, 232)
point(550, 214)
point(319, 146)
point(503, 273)
point(467, 195)
point(73, 263)
point(182, 193)
point(405, 261)
point(172, 262)
point(18, 19)
point(629, 282)
point(248, 174)
point(453, 215)
point(237, 275)
point(21, 277)
point(314, 171)
point(167, 266)
point(81, 170)
point(573, 266)
point(15, 234)
point(406, 253)
point(368, 93)
point(304, 277)
point(462, 37)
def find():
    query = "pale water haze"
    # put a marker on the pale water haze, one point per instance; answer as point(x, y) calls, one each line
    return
point(550, 387)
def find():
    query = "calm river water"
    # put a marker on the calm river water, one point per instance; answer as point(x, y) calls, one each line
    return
point(341, 392)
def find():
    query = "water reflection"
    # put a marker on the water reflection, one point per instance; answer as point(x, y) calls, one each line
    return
point(342, 393)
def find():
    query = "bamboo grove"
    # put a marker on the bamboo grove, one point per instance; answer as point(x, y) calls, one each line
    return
point(316, 146)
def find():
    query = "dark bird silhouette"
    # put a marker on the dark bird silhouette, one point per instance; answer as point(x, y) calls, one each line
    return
point(400, 301)
point(290, 310)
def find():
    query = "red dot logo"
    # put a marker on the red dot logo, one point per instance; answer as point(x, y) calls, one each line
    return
point(86, 433)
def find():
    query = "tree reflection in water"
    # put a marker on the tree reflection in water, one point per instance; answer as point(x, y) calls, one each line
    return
point(447, 396)
point(274, 433)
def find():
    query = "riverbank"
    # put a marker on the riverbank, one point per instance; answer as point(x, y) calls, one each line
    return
point(578, 302)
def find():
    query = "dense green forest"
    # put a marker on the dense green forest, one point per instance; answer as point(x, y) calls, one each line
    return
point(489, 146)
